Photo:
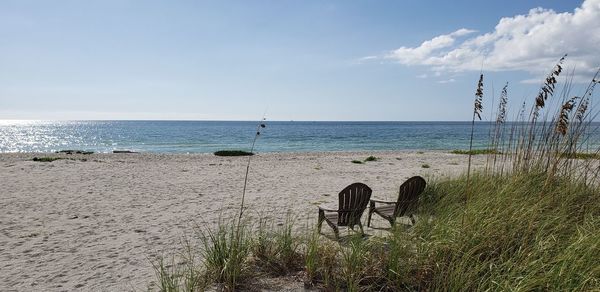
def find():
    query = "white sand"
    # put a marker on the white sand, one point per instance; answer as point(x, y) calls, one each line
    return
point(93, 225)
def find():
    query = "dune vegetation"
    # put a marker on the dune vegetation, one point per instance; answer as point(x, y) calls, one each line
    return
point(528, 220)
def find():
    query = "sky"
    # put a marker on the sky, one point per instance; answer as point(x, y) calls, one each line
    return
point(412, 60)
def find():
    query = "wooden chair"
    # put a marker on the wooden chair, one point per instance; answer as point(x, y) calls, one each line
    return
point(408, 197)
point(353, 201)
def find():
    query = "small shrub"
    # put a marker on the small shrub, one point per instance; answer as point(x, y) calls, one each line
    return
point(371, 158)
point(124, 151)
point(76, 152)
point(420, 152)
point(233, 153)
point(46, 159)
point(581, 155)
point(425, 165)
point(476, 151)
point(357, 161)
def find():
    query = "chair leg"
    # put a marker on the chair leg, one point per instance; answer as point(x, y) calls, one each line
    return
point(336, 231)
point(321, 219)
point(371, 210)
point(362, 232)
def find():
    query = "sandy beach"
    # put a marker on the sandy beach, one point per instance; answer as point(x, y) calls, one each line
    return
point(93, 222)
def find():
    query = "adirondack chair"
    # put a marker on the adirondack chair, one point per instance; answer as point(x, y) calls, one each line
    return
point(353, 201)
point(408, 197)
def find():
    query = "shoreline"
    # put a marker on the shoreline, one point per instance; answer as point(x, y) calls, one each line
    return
point(93, 224)
point(255, 152)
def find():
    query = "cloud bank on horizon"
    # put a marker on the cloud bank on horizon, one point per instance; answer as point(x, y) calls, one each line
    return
point(530, 43)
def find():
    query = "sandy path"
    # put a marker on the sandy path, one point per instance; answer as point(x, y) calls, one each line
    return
point(92, 225)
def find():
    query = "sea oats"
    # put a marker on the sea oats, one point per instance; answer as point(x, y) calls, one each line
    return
point(547, 89)
point(478, 108)
point(563, 117)
point(501, 118)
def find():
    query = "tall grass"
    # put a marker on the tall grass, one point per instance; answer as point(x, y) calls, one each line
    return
point(225, 253)
point(276, 249)
point(354, 257)
point(519, 229)
point(477, 109)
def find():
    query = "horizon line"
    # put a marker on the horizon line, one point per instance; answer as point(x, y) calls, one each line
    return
point(241, 120)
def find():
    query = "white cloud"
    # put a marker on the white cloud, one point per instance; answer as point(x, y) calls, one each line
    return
point(531, 43)
point(411, 56)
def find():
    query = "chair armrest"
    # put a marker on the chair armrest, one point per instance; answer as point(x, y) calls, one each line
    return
point(382, 202)
point(328, 208)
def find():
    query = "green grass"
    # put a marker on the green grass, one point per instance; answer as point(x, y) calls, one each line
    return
point(354, 258)
point(357, 161)
point(174, 277)
point(225, 254)
point(475, 151)
point(518, 233)
point(46, 159)
point(233, 153)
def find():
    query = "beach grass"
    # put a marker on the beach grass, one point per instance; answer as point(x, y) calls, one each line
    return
point(275, 248)
point(225, 253)
point(357, 161)
point(517, 233)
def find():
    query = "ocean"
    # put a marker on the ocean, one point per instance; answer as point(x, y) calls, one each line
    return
point(210, 136)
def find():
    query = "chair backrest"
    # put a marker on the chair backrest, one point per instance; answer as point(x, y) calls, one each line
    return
point(408, 196)
point(353, 202)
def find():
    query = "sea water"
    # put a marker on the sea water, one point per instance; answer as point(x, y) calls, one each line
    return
point(210, 136)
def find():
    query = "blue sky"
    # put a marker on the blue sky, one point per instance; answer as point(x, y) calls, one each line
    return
point(298, 60)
